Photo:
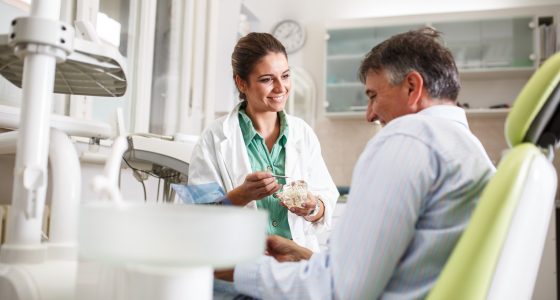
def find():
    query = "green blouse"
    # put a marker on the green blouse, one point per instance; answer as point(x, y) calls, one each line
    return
point(261, 160)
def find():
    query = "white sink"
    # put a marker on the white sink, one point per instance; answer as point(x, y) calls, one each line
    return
point(174, 235)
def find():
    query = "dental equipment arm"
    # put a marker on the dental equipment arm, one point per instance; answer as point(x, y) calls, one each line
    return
point(41, 56)
point(160, 157)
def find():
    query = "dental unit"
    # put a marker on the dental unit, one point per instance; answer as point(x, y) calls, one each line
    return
point(110, 248)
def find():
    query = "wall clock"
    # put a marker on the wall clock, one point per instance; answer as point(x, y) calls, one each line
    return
point(291, 34)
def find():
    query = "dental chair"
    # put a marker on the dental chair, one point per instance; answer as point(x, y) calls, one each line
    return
point(499, 254)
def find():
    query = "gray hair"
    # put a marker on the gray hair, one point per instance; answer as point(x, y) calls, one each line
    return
point(417, 50)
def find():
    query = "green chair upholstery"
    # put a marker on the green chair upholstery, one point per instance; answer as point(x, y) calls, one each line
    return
point(499, 254)
point(534, 117)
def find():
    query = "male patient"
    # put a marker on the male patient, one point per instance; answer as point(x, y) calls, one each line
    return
point(412, 193)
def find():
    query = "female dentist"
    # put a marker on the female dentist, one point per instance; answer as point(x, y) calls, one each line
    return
point(244, 149)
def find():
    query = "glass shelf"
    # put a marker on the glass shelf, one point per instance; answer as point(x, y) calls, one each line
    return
point(496, 72)
point(345, 57)
point(487, 112)
point(355, 84)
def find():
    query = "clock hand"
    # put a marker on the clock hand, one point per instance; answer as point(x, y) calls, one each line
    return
point(287, 35)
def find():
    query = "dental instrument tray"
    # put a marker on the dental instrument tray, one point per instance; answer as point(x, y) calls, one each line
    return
point(92, 69)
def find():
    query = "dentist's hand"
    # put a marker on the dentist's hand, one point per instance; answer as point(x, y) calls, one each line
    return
point(256, 186)
point(283, 249)
point(308, 206)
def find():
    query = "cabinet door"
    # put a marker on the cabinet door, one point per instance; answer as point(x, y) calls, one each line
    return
point(344, 90)
point(345, 51)
point(489, 44)
point(463, 39)
point(497, 48)
point(490, 50)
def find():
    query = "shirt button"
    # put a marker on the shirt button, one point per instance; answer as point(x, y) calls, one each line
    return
point(274, 223)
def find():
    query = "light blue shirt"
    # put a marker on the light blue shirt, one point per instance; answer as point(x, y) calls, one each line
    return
point(413, 190)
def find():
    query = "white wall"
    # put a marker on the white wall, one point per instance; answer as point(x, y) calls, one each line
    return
point(7, 14)
point(344, 9)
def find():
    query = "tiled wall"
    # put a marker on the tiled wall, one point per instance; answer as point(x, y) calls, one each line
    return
point(342, 141)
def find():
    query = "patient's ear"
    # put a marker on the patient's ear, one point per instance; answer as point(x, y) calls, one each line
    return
point(415, 85)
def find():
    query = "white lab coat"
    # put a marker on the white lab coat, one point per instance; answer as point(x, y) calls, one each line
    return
point(221, 156)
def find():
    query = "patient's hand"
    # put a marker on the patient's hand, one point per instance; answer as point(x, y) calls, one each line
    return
point(226, 274)
point(286, 250)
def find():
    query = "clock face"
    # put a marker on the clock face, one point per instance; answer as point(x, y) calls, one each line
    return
point(291, 34)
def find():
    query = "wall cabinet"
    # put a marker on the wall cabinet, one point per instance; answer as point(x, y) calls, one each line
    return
point(501, 47)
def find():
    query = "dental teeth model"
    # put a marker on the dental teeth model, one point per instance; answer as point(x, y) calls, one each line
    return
point(294, 194)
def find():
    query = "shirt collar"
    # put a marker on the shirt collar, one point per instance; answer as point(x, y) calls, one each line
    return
point(450, 112)
point(249, 132)
point(283, 128)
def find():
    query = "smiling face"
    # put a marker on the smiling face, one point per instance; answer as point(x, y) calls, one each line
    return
point(268, 84)
point(386, 101)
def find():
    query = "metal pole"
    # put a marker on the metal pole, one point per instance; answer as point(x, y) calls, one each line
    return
point(23, 238)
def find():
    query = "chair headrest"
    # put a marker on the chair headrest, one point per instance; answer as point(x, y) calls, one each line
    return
point(535, 115)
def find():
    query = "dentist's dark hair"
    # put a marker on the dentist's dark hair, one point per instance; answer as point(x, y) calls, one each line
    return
point(417, 50)
point(249, 50)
